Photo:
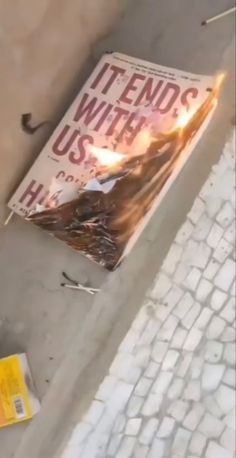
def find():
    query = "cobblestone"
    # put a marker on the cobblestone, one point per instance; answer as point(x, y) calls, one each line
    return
point(170, 391)
point(212, 375)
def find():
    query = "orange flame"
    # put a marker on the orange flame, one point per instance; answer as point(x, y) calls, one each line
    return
point(185, 118)
point(105, 156)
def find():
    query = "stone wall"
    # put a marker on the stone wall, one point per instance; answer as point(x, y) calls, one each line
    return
point(43, 46)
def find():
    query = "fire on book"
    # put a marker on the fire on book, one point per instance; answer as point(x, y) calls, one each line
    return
point(114, 155)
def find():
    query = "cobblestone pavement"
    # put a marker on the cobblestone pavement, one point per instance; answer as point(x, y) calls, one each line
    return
point(170, 392)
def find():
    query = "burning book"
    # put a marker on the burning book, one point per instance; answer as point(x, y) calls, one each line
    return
point(115, 153)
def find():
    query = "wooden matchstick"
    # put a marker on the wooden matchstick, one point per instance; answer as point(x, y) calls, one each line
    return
point(218, 16)
point(9, 217)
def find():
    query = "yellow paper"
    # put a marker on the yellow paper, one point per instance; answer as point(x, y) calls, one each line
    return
point(15, 398)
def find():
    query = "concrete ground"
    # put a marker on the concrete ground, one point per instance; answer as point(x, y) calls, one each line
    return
point(37, 316)
point(78, 332)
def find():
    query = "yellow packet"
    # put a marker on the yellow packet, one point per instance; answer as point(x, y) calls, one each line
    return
point(17, 395)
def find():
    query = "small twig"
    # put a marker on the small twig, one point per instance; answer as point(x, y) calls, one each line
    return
point(218, 16)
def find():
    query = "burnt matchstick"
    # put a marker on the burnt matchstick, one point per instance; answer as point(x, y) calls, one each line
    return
point(219, 16)
point(80, 287)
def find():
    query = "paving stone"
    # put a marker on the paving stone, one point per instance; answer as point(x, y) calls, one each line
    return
point(95, 444)
point(72, 451)
point(228, 312)
point(107, 421)
point(94, 413)
point(233, 288)
point(126, 448)
point(226, 215)
point(152, 370)
point(212, 406)
point(141, 451)
point(181, 273)
point(197, 210)
point(193, 418)
point(149, 333)
point(172, 258)
point(228, 335)
point(181, 442)
point(149, 431)
point(222, 251)
point(230, 233)
point(211, 269)
point(130, 341)
point(161, 287)
point(134, 406)
point(157, 449)
point(215, 328)
point(142, 355)
point(121, 395)
point(202, 256)
point(173, 297)
point(225, 276)
point(203, 228)
point(212, 375)
point(170, 360)
point(197, 443)
point(168, 329)
point(163, 312)
point(230, 378)
point(191, 316)
point(196, 367)
point(193, 340)
point(143, 386)
point(166, 428)
point(183, 306)
point(106, 388)
point(204, 289)
point(211, 426)
point(162, 382)
point(225, 398)
point(178, 409)
point(141, 320)
point(226, 183)
point(184, 366)
point(80, 433)
point(193, 391)
point(214, 351)
point(123, 367)
point(229, 354)
point(227, 439)
point(176, 388)
point(193, 279)
point(178, 338)
point(215, 235)
point(218, 299)
point(152, 404)
point(159, 351)
point(133, 426)
point(229, 419)
point(216, 451)
point(203, 318)
point(119, 424)
point(184, 232)
point(114, 444)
